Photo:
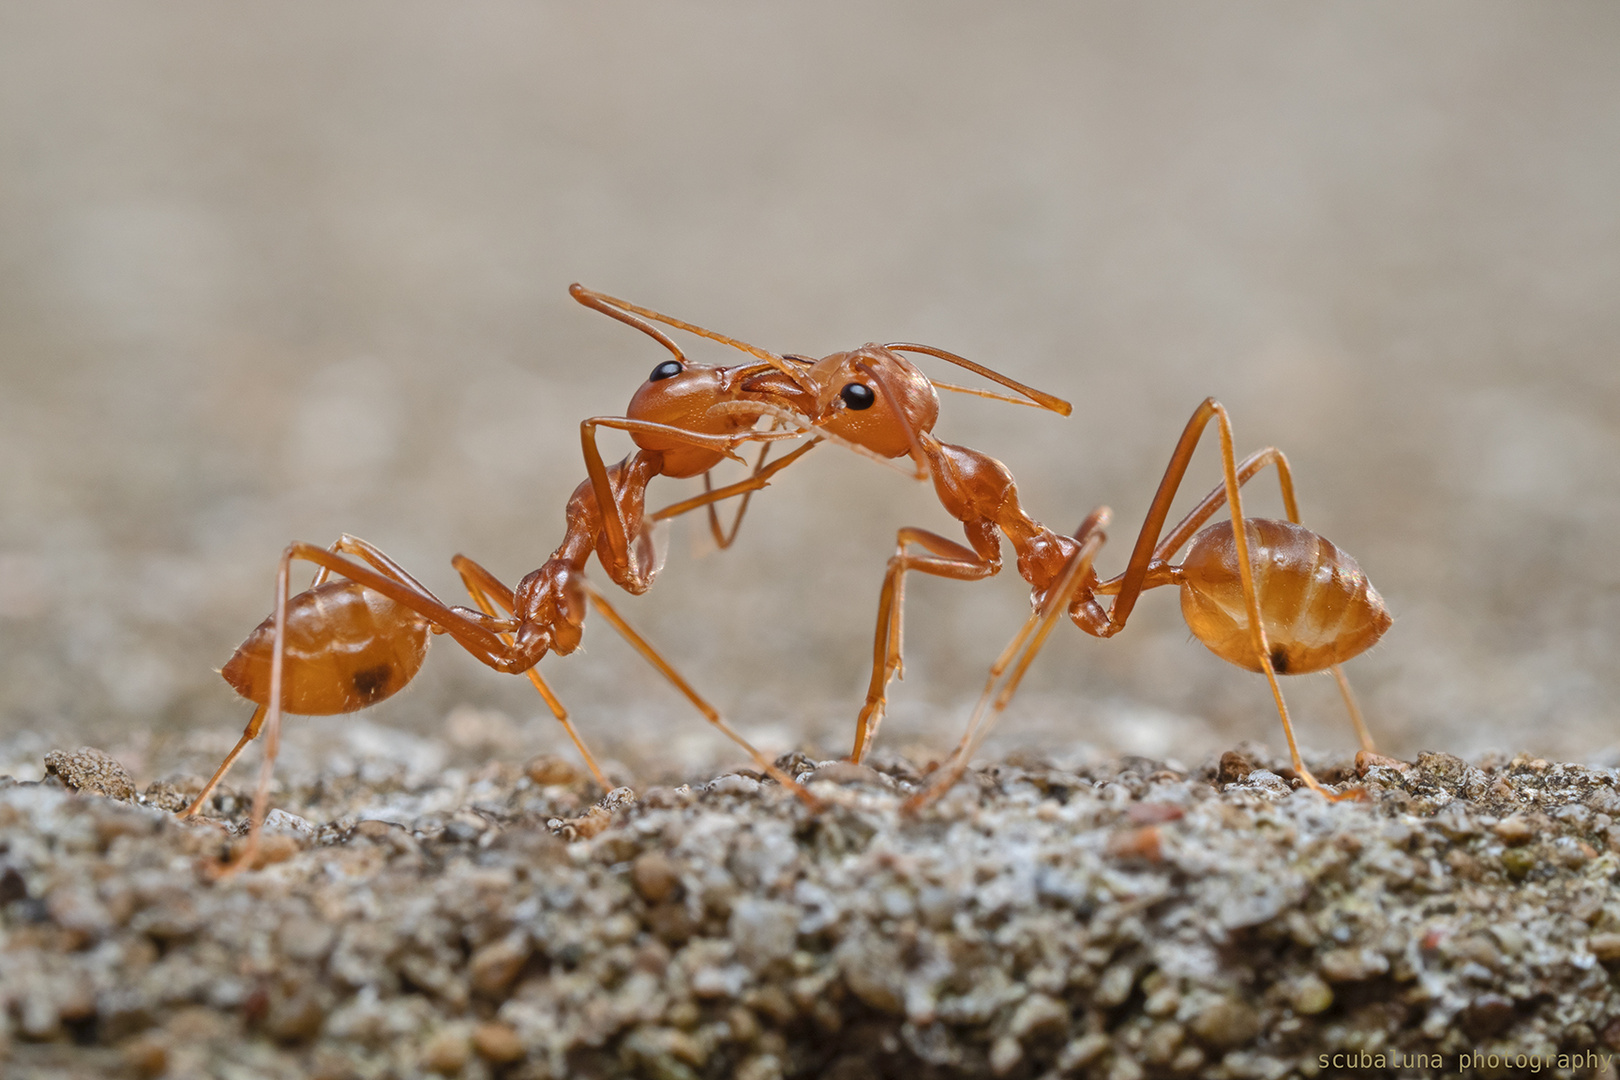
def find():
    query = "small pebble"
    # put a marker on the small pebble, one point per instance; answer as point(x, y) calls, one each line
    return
point(1225, 1023)
point(1115, 986)
point(1514, 830)
point(1605, 946)
point(546, 771)
point(498, 1043)
point(1005, 1054)
point(92, 772)
point(1082, 1051)
point(1309, 995)
point(493, 968)
point(655, 876)
point(1351, 965)
point(447, 1052)
point(1038, 1015)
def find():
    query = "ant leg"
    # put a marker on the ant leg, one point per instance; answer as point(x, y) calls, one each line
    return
point(1185, 529)
point(1195, 519)
point(352, 545)
point(760, 478)
point(479, 640)
point(487, 590)
point(1137, 576)
point(1251, 595)
point(949, 560)
point(710, 713)
point(1362, 733)
point(608, 502)
point(1129, 585)
point(1018, 655)
point(255, 723)
point(723, 538)
point(485, 586)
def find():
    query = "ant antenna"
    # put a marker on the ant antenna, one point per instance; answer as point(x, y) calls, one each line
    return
point(1036, 397)
point(580, 292)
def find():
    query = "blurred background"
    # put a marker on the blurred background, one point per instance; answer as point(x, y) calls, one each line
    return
point(277, 272)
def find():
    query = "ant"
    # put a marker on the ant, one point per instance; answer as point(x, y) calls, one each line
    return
point(1270, 596)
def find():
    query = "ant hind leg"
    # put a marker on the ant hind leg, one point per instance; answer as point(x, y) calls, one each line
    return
point(487, 590)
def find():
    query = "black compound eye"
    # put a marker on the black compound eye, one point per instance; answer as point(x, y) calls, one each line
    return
point(858, 396)
point(667, 370)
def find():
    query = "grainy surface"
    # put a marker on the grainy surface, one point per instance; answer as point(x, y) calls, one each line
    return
point(1115, 917)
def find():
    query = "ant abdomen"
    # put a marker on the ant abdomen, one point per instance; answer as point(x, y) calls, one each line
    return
point(1317, 606)
point(346, 647)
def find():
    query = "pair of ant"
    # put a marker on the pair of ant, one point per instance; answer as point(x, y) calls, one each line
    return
point(1270, 596)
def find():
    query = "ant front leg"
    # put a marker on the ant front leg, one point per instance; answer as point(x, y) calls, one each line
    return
point(619, 506)
point(949, 560)
point(758, 479)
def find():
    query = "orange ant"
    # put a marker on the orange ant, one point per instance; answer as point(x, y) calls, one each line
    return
point(1296, 605)
point(1270, 596)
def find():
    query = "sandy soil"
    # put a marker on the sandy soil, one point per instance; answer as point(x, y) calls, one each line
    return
point(1119, 918)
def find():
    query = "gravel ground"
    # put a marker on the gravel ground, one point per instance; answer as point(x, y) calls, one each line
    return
point(1120, 917)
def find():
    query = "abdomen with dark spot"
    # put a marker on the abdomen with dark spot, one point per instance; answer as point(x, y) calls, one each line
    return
point(346, 647)
point(1316, 605)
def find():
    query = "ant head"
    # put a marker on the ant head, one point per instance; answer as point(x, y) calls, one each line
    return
point(875, 397)
point(682, 394)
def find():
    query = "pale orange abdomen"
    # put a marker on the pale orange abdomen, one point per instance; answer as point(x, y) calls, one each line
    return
point(1317, 607)
point(346, 647)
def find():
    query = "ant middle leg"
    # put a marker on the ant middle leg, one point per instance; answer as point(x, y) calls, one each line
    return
point(949, 560)
point(759, 478)
point(1008, 669)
